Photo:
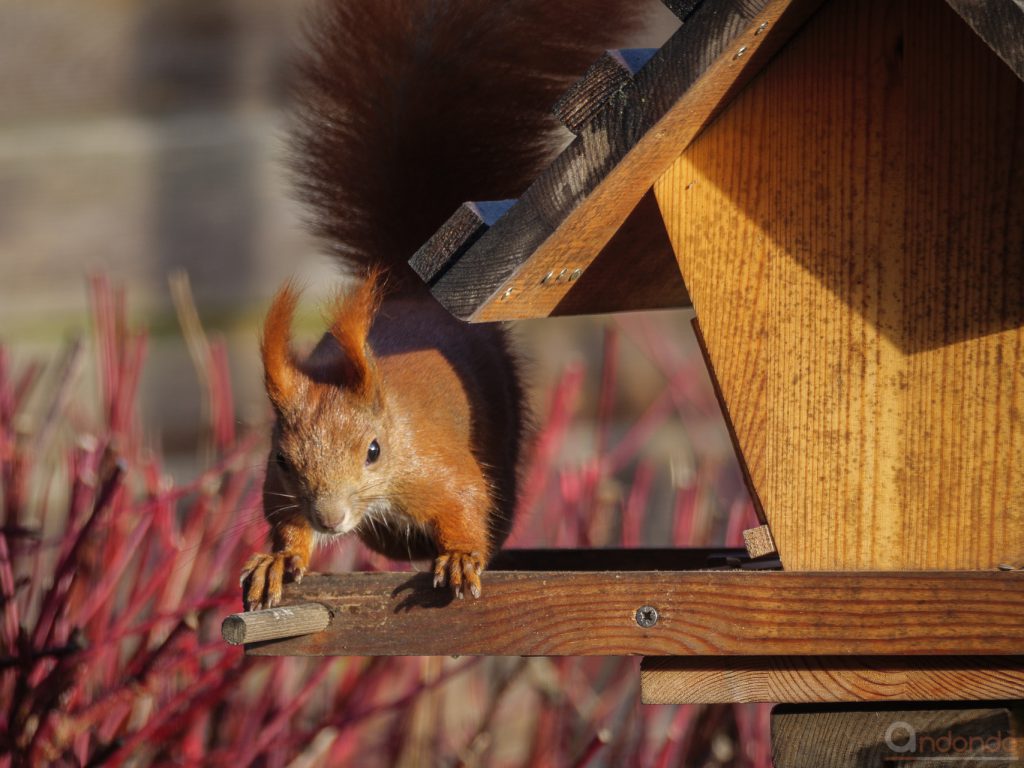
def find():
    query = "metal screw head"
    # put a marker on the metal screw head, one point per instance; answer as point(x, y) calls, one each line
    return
point(740, 52)
point(507, 294)
point(646, 616)
point(547, 278)
point(761, 29)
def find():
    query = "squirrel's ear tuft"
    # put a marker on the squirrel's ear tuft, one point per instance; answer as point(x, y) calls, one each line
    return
point(350, 317)
point(281, 374)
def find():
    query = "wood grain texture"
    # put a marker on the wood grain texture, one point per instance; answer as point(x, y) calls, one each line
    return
point(612, 72)
point(729, 612)
point(818, 679)
point(1000, 23)
point(738, 449)
point(759, 542)
point(837, 737)
point(275, 623)
point(573, 209)
point(456, 235)
point(851, 232)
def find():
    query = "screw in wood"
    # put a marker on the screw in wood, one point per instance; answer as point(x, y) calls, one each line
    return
point(740, 52)
point(507, 295)
point(646, 616)
point(761, 29)
point(575, 275)
point(547, 278)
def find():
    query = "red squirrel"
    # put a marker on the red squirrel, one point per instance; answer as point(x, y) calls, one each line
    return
point(405, 425)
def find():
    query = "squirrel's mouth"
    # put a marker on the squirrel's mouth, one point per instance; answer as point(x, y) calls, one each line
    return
point(332, 519)
point(338, 530)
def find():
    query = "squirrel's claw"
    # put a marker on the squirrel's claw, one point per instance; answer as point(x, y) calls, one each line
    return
point(263, 577)
point(457, 569)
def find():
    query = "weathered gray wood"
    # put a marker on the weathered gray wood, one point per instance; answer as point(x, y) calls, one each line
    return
point(275, 623)
point(612, 72)
point(843, 737)
point(1000, 23)
point(463, 228)
point(727, 612)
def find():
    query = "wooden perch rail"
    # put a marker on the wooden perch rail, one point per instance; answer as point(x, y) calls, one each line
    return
point(717, 613)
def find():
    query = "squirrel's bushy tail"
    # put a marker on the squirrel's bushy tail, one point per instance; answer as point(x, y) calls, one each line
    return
point(406, 108)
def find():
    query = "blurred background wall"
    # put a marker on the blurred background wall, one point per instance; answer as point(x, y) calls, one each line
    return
point(141, 137)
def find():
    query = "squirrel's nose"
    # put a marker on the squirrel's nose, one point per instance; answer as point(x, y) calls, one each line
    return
point(333, 515)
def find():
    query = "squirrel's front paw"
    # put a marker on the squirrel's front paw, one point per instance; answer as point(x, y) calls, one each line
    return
point(457, 569)
point(263, 577)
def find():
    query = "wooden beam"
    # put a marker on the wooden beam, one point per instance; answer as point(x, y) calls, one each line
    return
point(463, 228)
point(611, 73)
point(640, 253)
point(844, 737)
point(573, 209)
point(729, 612)
point(818, 679)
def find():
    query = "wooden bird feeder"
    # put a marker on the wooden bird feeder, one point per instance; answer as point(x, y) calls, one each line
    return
point(838, 188)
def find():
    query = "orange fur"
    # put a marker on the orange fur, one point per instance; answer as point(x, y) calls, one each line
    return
point(280, 371)
point(350, 318)
point(405, 425)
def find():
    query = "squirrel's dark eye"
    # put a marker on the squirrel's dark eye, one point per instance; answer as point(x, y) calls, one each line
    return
point(373, 452)
point(282, 462)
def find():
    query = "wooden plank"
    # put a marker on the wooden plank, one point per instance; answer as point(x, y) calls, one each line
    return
point(611, 73)
point(1000, 23)
point(851, 232)
point(575, 207)
point(819, 679)
point(463, 228)
point(963, 737)
point(639, 256)
point(729, 612)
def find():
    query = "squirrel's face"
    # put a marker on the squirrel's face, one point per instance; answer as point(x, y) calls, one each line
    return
point(329, 453)
point(330, 457)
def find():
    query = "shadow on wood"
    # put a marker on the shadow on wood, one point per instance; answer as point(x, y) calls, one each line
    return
point(847, 737)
